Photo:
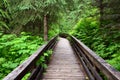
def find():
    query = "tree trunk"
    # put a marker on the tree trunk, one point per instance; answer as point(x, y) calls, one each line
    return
point(40, 27)
point(101, 12)
point(45, 28)
point(33, 27)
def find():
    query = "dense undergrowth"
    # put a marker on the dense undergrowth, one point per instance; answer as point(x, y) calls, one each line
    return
point(41, 61)
point(16, 49)
point(105, 45)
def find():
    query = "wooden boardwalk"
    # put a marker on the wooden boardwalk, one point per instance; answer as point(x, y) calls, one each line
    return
point(64, 64)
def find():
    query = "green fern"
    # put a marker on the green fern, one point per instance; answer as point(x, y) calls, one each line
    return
point(15, 49)
point(3, 25)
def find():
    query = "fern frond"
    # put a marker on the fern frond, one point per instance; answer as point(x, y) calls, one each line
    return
point(3, 25)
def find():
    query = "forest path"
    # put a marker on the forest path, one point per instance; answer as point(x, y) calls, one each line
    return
point(63, 64)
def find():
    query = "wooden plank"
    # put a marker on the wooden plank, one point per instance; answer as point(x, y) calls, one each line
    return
point(88, 64)
point(64, 64)
point(34, 73)
point(84, 65)
point(66, 78)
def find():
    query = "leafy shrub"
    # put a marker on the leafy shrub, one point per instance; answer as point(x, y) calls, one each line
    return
point(41, 62)
point(106, 46)
point(42, 59)
point(15, 49)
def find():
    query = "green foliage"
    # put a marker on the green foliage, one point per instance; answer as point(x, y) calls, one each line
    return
point(85, 29)
point(4, 15)
point(54, 30)
point(3, 25)
point(107, 46)
point(15, 49)
point(115, 60)
point(42, 60)
point(29, 13)
point(26, 76)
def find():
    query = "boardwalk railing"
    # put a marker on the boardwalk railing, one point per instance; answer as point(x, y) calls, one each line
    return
point(95, 67)
point(30, 64)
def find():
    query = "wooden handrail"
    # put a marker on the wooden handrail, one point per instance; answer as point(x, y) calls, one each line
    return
point(92, 62)
point(95, 67)
point(28, 65)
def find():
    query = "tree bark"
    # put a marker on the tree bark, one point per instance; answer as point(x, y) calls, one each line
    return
point(45, 28)
point(40, 27)
point(101, 12)
point(33, 27)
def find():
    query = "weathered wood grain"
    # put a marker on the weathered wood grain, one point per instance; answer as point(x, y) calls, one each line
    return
point(64, 64)
point(96, 61)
